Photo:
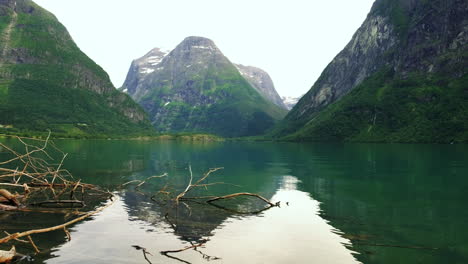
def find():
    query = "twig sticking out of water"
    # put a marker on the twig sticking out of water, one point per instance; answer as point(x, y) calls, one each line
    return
point(191, 186)
point(140, 183)
point(145, 252)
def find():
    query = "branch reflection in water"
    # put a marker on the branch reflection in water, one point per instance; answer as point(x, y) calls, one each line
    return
point(291, 233)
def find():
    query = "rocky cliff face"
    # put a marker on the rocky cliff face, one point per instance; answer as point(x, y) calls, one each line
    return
point(398, 41)
point(362, 57)
point(140, 68)
point(195, 88)
point(37, 51)
point(262, 82)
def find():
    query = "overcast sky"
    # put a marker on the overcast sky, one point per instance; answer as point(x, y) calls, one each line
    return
point(292, 40)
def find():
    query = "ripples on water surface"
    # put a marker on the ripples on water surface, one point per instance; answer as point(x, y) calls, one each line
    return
point(346, 204)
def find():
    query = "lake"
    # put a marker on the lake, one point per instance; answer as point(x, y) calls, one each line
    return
point(340, 203)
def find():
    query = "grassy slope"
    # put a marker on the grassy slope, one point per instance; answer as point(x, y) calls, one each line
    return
point(385, 108)
point(423, 108)
point(50, 90)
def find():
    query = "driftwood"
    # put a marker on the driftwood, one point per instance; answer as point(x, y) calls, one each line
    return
point(193, 246)
point(9, 197)
point(168, 252)
point(191, 186)
point(242, 194)
point(4, 207)
point(181, 199)
point(34, 172)
point(183, 249)
point(5, 200)
point(60, 203)
point(145, 253)
point(7, 256)
point(140, 183)
point(54, 228)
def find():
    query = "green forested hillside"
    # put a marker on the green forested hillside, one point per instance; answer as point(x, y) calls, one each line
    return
point(385, 108)
point(402, 78)
point(46, 82)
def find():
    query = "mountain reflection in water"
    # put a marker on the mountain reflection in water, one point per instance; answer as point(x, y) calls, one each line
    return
point(396, 203)
point(293, 233)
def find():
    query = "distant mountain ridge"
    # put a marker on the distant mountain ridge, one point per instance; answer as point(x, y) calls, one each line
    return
point(290, 101)
point(195, 88)
point(46, 82)
point(402, 78)
point(262, 82)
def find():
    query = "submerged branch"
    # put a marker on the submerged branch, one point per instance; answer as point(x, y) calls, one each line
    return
point(395, 246)
point(40, 180)
point(230, 196)
point(54, 228)
point(145, 252)
point(60, 202)
point(182, 249)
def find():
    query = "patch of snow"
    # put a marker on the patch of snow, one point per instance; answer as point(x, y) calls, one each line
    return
point(203, 47)
point(160, 68)
point(290, 101)
point(188, 66)
point(154, 59)
point(125, 90)
point(167, 103)
point(146, 70)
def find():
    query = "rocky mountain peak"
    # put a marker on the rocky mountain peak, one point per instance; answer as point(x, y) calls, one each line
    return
point(262, 82)
point(194, 42)
point(142, 67)
point(148, 63)
point(196, 50)
point(195, 88)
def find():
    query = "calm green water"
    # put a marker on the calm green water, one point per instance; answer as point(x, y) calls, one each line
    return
point(353, 203)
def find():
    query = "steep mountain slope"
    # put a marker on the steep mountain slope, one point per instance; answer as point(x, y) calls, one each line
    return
point(140, 68)
point(262, 82)
point(46, 82)
point(195, 88)
point(402, 78)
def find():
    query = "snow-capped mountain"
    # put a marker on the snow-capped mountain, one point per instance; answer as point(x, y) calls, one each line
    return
point(290, 101)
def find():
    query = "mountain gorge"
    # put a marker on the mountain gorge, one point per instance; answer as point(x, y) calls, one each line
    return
point(46, 82)
point(402, 78)
point(195, 88)
point(290, 101)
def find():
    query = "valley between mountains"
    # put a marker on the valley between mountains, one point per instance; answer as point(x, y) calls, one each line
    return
point(401, 78)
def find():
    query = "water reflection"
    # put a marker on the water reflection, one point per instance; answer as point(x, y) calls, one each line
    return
point(400, 195)
point(293, 233)
point(190, 222)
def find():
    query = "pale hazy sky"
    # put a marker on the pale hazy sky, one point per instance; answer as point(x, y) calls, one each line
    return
point(292, 40)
